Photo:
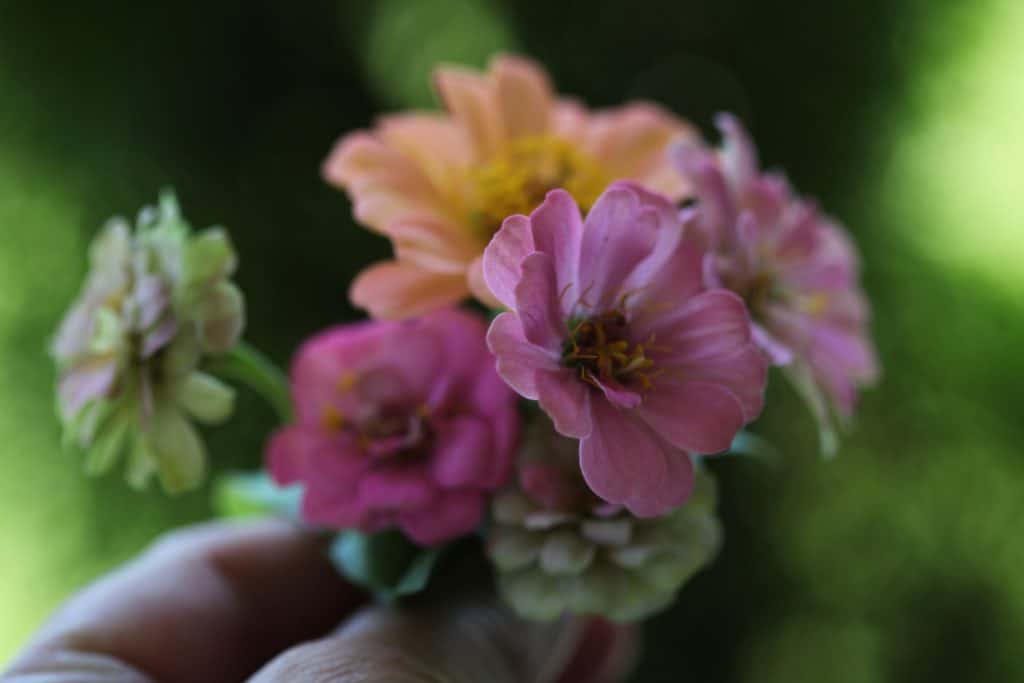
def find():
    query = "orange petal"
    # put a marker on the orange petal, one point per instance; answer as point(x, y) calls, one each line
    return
point(384, 185)
point(432, 142)
point(472, 102)
point(633, 141)
point(524, 96)
point(433, 245)
point(391, 290)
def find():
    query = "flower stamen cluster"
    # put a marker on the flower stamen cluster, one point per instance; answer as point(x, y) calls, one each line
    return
point(598, 349)
point(517, 178)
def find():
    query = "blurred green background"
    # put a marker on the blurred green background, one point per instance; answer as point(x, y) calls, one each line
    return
point(902, 560)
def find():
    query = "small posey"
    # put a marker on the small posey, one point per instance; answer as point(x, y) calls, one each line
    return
point(611, 329)
point(558, 548)
point(797, 270)
point(398, 424)
point(440, 185)
point(157, 300)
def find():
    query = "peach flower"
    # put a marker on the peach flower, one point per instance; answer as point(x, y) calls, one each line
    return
point(439, 185)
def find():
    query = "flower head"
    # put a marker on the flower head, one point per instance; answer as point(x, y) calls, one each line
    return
point(400, 424)
point(439, 185)
point(559, 548)
point(156, 301)
point(797, 270)
point(612, 331)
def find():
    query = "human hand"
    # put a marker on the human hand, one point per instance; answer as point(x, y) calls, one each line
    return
point(260, 602)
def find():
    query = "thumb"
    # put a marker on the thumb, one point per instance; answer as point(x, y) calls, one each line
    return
point(462, 643)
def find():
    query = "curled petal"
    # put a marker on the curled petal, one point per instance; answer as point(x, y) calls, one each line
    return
point(519, 360)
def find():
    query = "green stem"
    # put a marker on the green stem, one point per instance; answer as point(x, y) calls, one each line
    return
point(246, 365)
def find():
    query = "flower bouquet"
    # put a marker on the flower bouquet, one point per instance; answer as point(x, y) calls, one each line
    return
point(581, 312)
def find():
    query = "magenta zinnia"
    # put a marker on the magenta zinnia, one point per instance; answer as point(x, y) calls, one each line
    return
point(398, 424)
point(612, 331)
point(796, 269)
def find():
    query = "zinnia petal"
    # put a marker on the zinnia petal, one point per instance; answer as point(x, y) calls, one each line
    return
point(455, 514)
point(390, 290)
point(696, 416)
point(503, 258)
point(518, 359)
point(625, 462)
point(566, 400)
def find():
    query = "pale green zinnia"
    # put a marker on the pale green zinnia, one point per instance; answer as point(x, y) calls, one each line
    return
point(157, 302)
point(558, 548)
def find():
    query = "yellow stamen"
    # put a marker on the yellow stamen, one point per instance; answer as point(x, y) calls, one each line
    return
point(332, 419)
point(596, 349)
point(346, 382)
point(518, 176)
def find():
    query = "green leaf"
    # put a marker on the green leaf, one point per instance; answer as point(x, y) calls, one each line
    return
point(387, 564)
point(252, 494)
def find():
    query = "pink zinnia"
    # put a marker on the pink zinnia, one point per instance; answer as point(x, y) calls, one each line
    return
point(439, 184)
point(796, 269)
point(612, 331)
point(398, 424)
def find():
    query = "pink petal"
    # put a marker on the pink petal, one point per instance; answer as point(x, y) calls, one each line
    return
point(493, 400)
point(518, 359)
point(739, 156)
point(675, 280)
point(624, 462)
point(777, 352)
point(397, 489)
point(712, 323)
point(454, 514)
point(462, 453)
point(391, 289)
point(537, 302)
point(696, 416)
point(152, 298)
point(618, 395)
point(297, 454)
point(619, 233)
point(404, 367)
point(503, 258)
point(717, 215)
point(86, 382)
point(325, 361)
point(558, 231)
point(319, 508)
point(566, 399)
point(157, 339)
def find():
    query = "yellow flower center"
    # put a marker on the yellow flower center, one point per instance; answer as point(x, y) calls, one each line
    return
point(598, 349)
point(516, 179)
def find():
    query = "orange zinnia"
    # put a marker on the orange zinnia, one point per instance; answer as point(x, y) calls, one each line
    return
point(439, 185)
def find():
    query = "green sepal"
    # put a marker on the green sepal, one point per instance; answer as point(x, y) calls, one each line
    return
point(254, 494)
point(387, 563)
